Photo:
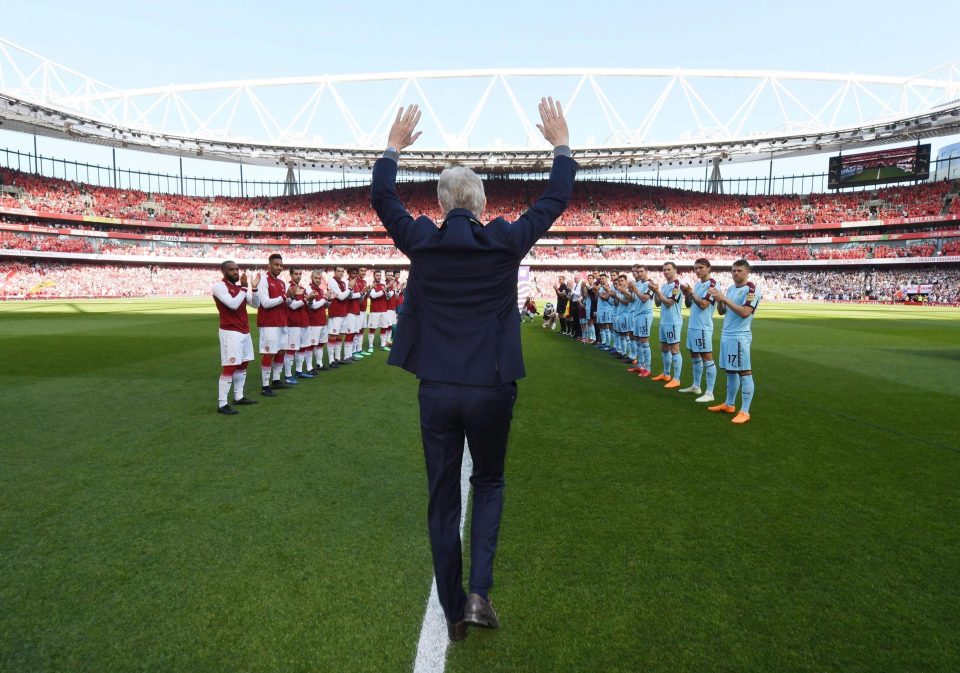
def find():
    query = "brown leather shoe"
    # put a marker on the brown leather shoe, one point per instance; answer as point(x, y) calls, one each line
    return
point(457, 631)
point(480, 613)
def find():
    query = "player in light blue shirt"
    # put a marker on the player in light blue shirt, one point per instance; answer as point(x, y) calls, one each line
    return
point(620, 313)
point(668, 297)
point(641, 318)
point(700, 330)
point(737, 306)
point(605, 312)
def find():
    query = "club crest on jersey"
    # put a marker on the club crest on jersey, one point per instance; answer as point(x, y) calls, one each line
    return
point(232, 360)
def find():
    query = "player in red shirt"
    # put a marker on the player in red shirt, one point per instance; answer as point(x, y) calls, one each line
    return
point(231, 295)
point(379, 298)
point(317, 318)
point(364, 321)
point(272, 323)
point(298, 326)
point(358, 289)
point(338, 293)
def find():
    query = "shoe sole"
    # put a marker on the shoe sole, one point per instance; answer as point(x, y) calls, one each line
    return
point(475, 621)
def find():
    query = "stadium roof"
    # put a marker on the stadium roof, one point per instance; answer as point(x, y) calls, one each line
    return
point(671, 117)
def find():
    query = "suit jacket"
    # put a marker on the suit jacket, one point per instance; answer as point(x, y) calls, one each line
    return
point(459, 321)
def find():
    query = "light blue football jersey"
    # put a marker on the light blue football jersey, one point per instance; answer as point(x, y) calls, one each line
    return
point(747, 295)
point(702, 318)
point(670, 315)
point(645, 306)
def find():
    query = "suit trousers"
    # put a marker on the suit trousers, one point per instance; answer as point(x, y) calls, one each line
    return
point(450, 413)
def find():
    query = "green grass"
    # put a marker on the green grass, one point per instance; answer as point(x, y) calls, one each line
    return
point(140, 531)
point(882, 173)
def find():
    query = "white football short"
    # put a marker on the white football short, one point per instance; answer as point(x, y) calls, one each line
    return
point(318, 335)
point(362, 321)
point(273, 339)
point(235, 347)
point(391, 318)
point(379, 320)
point(351, 324)
point(293, 339)
point(335, 325)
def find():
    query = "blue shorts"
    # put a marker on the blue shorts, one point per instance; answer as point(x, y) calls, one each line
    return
point(603, 314)
point(620, 323)
point(735, 353)
point(586, 310)
point(670, 334)
point(700, 340)
point(642, 324)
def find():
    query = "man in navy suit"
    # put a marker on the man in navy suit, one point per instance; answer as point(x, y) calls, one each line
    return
point(459, 333)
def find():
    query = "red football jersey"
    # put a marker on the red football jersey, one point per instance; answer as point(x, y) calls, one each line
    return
point(378, 304)
point(317, 317)
point(338, 307)
point(233, 319)
point(353, 305)
point(275, 316)
point(297, 317)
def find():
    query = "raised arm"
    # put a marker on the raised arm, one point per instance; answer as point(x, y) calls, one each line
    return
point(540, 217)
point(383, 192)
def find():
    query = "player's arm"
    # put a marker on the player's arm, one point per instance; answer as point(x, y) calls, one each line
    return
point(318, 303)
point(743, 310)
point(691, 297)
point(221, 293)
point(263, 294)
point(334, 290)
point(664, 300)
point(376, 294)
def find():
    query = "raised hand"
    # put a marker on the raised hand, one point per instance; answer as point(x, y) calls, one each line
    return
point(256, 280)
point(401, 133)
point(554, 126)
point(243, 279)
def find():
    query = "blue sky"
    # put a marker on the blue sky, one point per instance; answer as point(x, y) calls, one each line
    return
point(149, 44)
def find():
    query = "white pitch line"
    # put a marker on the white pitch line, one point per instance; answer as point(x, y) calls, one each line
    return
point(432, 647)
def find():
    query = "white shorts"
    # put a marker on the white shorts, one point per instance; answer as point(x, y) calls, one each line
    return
point(273, 339)
point(318, 335)
point(335, 325)
point(391, 318)
point(305, 337)
point(351, 324)
point(235, 348)
point(293, 339)
point(362, 321)
point(379, 320)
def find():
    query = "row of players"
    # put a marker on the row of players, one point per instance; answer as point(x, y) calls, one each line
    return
point(296, 324)
point(616, 314)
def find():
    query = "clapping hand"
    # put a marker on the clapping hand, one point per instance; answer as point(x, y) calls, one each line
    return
point(401, 133)
point(256, 281)
point(243, 279)
point(715, 293)
point(554, 126)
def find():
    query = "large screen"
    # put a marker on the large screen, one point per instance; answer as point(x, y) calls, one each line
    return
point(874, 168)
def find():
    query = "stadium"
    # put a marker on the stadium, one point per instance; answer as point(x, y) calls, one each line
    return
point(144, 531)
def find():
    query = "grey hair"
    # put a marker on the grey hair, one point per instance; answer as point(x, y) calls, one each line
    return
point(460, 187)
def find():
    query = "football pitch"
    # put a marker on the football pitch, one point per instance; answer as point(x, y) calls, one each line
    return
point(141, 531)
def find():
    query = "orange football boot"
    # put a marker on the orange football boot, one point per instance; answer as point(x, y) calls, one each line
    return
point(660, 377)
point(726, 408)
point(675, 383)
point(741, 418)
